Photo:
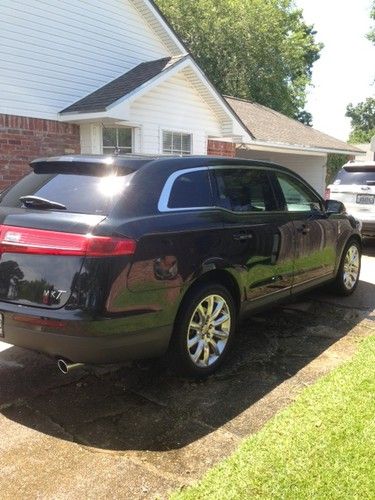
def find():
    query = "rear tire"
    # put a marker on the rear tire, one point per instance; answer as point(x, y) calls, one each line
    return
point(350, 267)
point(203, 332)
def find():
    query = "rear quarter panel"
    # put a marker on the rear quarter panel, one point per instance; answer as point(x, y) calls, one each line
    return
point(172, 251)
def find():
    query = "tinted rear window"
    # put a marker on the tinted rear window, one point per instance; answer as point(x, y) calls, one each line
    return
point(86, 194)
point(191, 190)
point(357, 176)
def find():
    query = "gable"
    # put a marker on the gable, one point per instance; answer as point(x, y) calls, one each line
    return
point(113, 100)
point(155, 18)
point(177, 101)
point(175, 105)
point(54, 53)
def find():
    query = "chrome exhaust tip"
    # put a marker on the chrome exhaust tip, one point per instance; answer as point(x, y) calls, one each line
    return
point(65, 366)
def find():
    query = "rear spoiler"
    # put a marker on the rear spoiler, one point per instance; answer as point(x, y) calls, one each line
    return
point(360, 165)
point(81, 164)
point(359, 168)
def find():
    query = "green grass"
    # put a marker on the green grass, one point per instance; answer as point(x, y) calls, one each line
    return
point(321, 447)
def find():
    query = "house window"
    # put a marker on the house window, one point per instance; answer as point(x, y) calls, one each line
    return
point(120, 139)
point(176, 143)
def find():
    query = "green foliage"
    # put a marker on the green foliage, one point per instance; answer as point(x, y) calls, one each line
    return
point(360, 136)
point(305, 117)
point(371, 34)
point(260, 50)
point(334, 164)
point(363, 120)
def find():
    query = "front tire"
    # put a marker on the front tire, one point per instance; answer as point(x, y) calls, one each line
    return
point(203, 332)
point(350, 267)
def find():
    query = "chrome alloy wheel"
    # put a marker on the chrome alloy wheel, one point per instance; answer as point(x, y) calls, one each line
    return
point(208, 330)
point(351, 267)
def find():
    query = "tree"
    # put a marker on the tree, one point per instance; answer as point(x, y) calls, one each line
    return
point(363, 120)
point(371, 34)
point(305, 117)
point(334, 164)
point(260, 50)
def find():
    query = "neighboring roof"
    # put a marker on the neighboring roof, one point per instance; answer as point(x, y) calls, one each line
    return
point(269, 126)
point(100, 99)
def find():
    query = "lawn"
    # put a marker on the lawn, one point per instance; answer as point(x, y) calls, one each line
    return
point(321, 447)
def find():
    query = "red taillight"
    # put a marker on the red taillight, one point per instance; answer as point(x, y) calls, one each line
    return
point(327, 194)
point(42, 242)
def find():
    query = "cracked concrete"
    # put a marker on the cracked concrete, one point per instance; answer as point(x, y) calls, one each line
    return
point(140, 432)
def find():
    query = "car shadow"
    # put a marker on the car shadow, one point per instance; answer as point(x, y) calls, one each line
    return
point(145, 408)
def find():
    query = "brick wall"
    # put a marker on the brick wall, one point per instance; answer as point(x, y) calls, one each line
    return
point(23, 139)
point(221, 148)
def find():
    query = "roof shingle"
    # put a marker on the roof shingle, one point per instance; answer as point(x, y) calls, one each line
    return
point(268, 125)
point(100, 99)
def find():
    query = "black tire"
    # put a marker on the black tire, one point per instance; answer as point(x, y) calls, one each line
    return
point(179, 357)
point(339, 287)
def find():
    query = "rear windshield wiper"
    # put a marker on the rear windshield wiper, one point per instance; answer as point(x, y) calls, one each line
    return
point(370, 183)
point(37, 202)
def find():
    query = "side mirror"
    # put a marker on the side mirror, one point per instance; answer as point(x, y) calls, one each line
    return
point(334, 207)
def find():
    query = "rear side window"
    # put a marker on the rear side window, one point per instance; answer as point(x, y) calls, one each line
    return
point(245, 190)
point(86, 194)
point(191, 190)
point(357, 176)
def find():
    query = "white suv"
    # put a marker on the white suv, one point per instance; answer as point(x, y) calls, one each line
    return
point(354, 186)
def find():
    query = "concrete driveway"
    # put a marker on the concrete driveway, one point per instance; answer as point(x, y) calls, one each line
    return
point(139, 432)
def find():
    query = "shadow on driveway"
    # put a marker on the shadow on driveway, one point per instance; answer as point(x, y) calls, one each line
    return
point(142, 408)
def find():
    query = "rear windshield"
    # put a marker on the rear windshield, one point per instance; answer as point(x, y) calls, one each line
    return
point(355, 176)
point(86, 194)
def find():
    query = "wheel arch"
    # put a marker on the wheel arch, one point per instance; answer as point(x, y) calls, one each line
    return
point(217, 276)
point(353, 237)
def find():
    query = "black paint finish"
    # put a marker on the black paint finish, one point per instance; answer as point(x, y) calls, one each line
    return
point(116, 308)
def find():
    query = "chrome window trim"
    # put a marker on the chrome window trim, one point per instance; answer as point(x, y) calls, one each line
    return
point(166, 191)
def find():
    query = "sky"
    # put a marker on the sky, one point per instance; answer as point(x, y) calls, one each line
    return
point(345, 71)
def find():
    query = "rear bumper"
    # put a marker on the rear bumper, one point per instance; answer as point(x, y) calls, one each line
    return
point(84, 341)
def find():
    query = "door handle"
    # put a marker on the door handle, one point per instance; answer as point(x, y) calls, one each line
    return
point(242, 236)
point(304, 229)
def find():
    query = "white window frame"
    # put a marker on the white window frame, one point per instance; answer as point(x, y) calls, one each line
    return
point(117, 127)
point(175, 131)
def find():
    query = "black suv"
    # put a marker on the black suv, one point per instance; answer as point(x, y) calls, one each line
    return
point(105, 259)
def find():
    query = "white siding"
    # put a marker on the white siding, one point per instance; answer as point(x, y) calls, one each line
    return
point(311, 168)
point(174, 105)
point(54, 52)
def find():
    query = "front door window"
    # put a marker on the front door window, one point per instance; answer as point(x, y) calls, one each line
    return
point(297, 197)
